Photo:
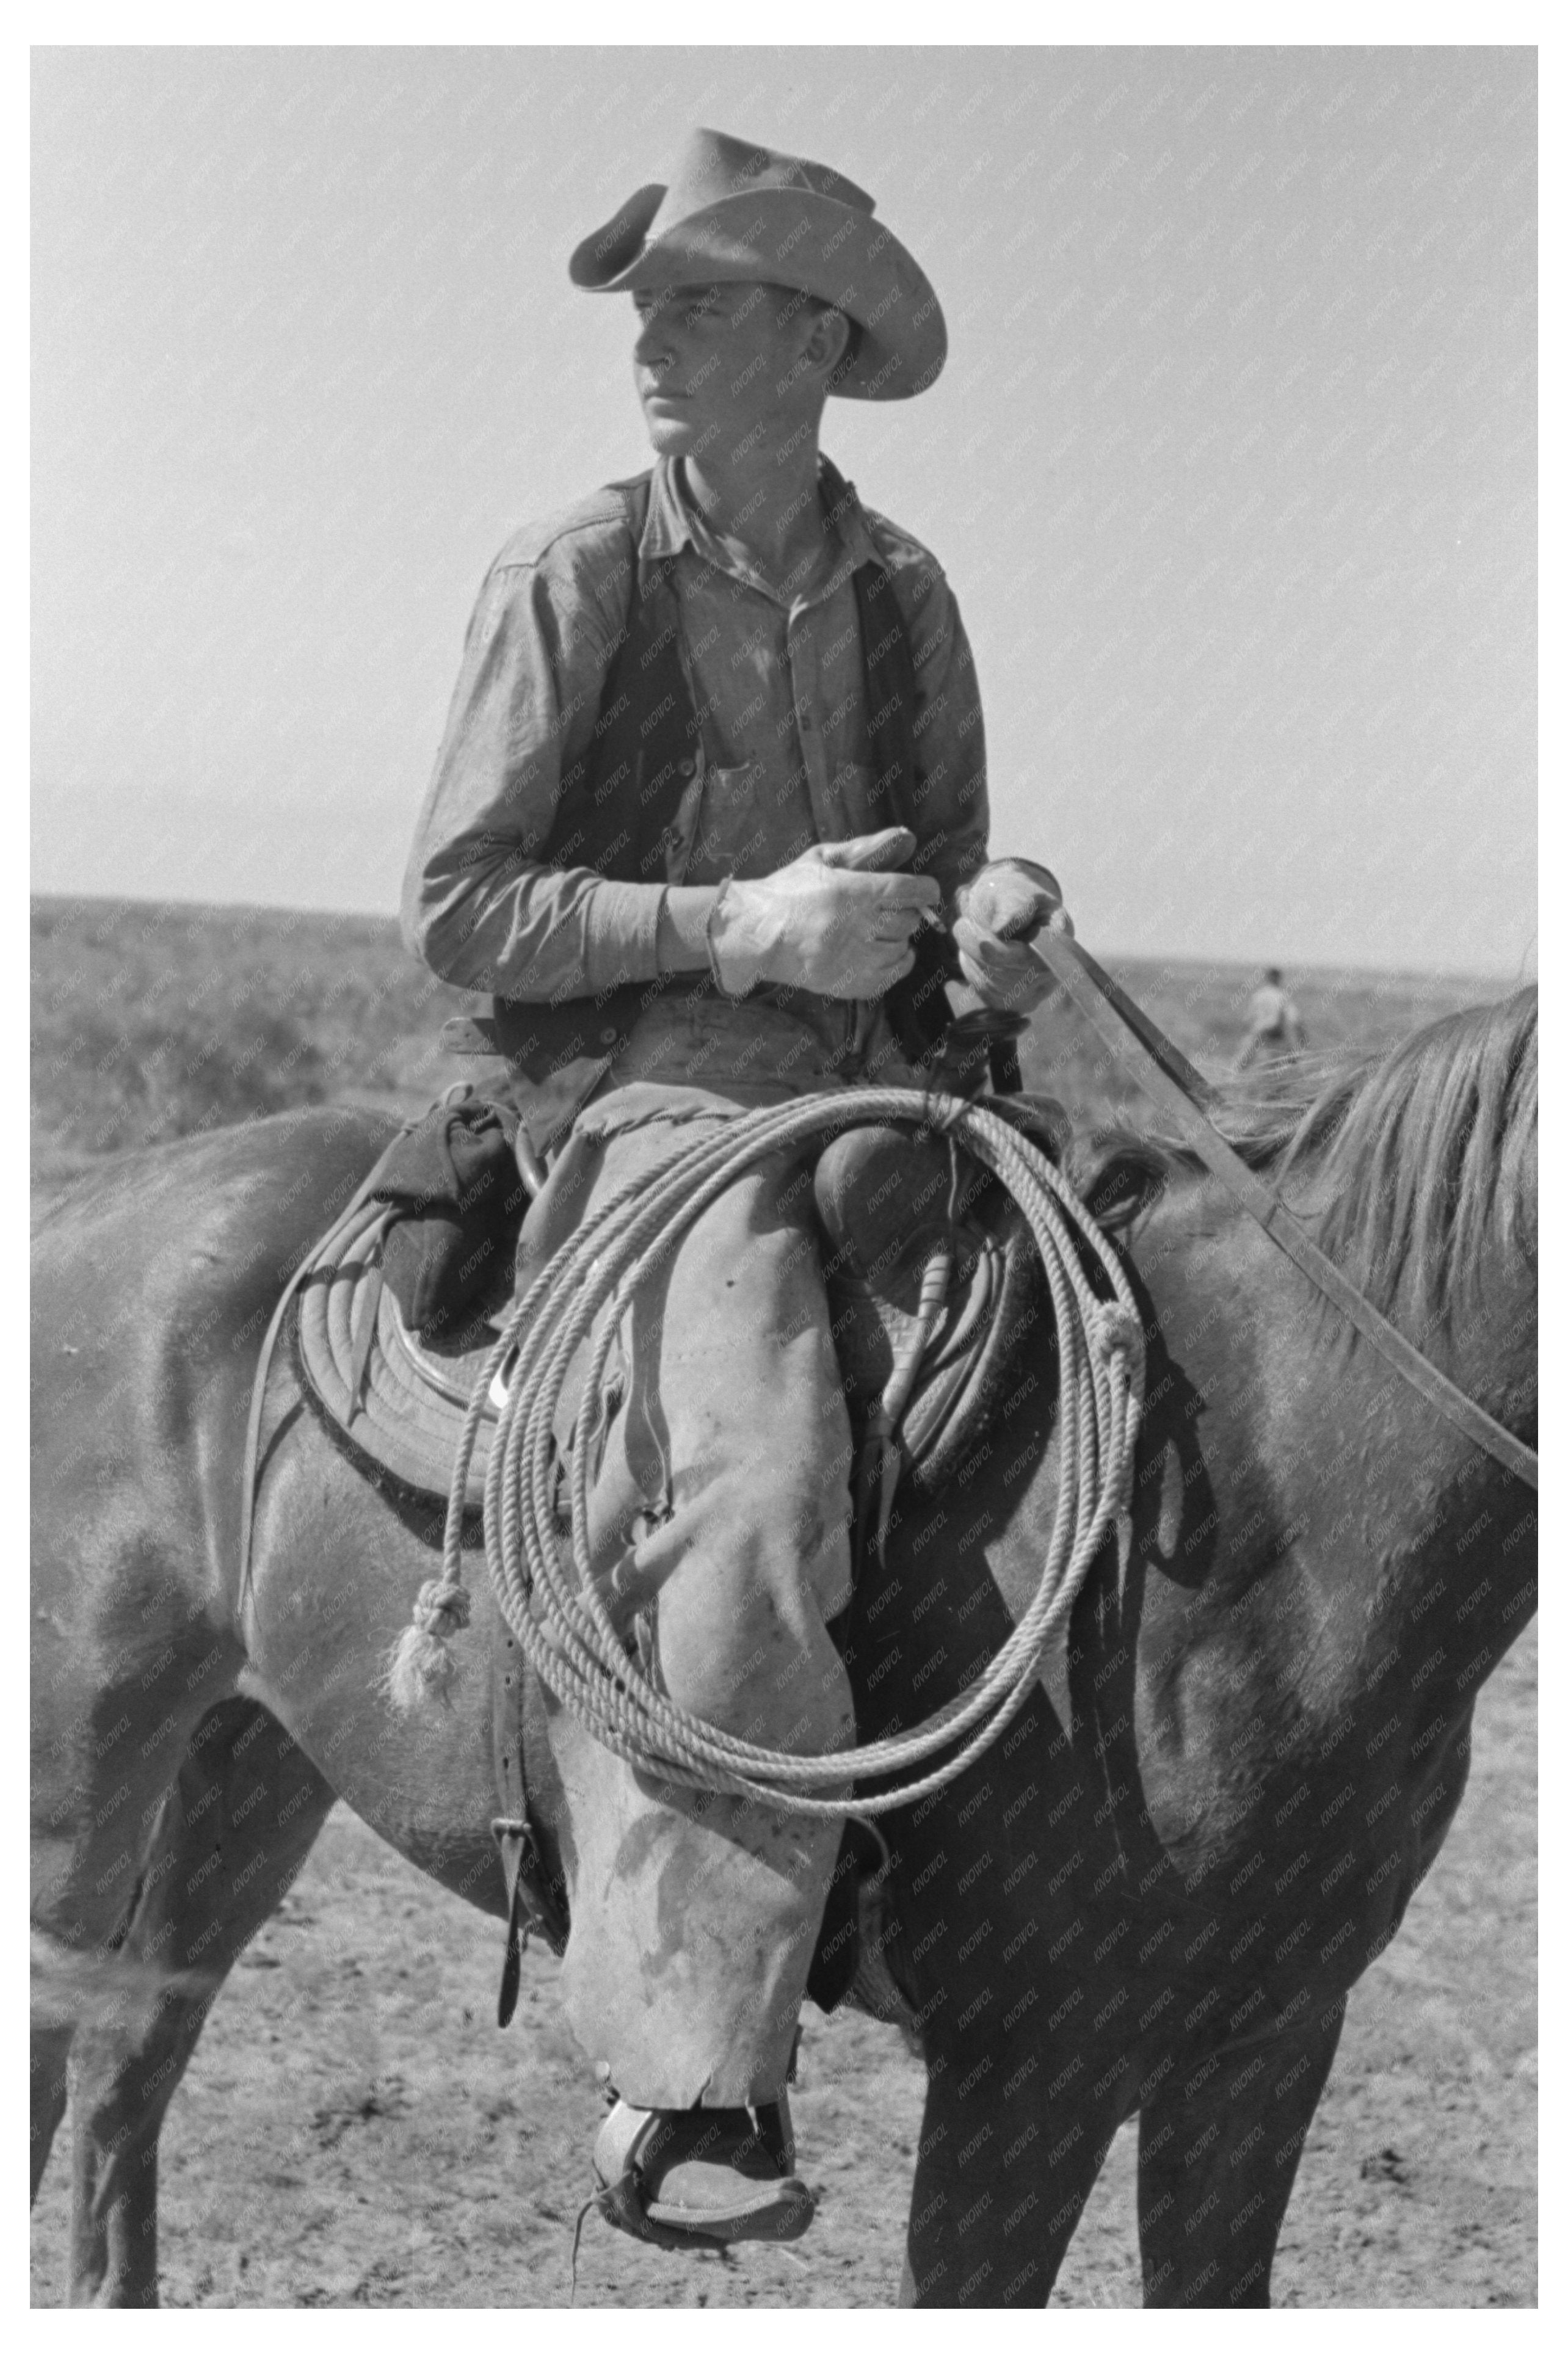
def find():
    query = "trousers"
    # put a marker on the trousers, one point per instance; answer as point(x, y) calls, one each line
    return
point(719, 1539)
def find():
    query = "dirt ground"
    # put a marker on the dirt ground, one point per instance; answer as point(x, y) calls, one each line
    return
point(353, 2129)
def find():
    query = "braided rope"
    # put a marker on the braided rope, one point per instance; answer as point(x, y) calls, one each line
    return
point(548, 1596)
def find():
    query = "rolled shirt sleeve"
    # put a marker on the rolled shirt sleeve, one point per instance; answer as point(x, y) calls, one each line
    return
point(480, 907)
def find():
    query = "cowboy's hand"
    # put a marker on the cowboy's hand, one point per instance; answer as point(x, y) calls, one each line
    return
point(999, 913)
point(834, 920)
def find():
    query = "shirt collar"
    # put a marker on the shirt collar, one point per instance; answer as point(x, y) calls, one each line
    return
point(673, 524)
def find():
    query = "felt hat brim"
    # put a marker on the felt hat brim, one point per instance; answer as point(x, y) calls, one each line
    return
point(785, 237)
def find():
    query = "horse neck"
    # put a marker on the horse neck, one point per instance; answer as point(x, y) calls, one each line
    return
point(1410, 1539)
point(1475, 1577)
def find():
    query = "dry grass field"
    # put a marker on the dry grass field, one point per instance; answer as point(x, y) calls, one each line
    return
point(151, 1021)
point(354, 2131)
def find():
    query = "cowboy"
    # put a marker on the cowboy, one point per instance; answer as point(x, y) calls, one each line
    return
point(712, 786)
point(1275, 1028)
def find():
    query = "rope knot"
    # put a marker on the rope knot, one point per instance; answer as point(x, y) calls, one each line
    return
point(440, 1609)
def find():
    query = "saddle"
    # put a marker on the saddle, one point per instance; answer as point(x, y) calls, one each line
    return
point(394, 1402)
point(933, 1284)
point(932, 1279)
point(389, 1312)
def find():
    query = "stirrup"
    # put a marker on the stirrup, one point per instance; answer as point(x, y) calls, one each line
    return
point(779, 2206)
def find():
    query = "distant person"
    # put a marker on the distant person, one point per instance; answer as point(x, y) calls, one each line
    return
point(1274, 1025)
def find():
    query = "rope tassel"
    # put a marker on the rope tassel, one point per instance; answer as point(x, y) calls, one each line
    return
point(421, 1666)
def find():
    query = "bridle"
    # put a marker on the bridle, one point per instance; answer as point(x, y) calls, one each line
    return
point(1163, 1073)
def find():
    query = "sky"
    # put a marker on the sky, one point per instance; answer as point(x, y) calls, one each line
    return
point(1232, 467)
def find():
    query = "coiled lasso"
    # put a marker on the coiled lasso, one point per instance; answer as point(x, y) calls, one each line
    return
point(549, 1600)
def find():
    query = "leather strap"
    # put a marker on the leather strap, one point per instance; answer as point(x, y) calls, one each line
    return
point(530, 1900)
point(251, 1461)
point(1165, 1074)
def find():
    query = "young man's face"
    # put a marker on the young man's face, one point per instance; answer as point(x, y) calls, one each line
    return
point(723, 368)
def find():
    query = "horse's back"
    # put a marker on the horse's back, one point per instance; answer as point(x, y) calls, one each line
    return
point(152, 1285)
point(266, 1183)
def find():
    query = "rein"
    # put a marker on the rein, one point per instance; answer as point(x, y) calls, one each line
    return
point(1165, 1074)
point(548, 1593)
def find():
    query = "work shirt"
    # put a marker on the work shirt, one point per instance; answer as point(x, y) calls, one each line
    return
point(786, 758)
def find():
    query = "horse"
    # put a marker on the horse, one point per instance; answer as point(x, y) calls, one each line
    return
point(1152, 1894)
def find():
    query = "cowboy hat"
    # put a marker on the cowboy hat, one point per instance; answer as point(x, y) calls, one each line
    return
point(731, 211)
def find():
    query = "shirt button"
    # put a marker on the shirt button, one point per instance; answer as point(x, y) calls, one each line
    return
point(686, 768)
point(608, 1037)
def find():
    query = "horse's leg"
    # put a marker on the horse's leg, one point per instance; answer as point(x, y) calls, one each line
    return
point(1217, 2151)
point(1002, 2179)
point(50, 2055)
point(232, 1834)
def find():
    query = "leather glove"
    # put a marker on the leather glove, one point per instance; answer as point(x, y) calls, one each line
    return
point(831, 921)
point(998, 912)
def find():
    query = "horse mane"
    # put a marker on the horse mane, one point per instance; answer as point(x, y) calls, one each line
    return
point(1403, 1164)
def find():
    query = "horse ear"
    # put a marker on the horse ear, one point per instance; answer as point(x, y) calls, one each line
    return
point(1120, 1179)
